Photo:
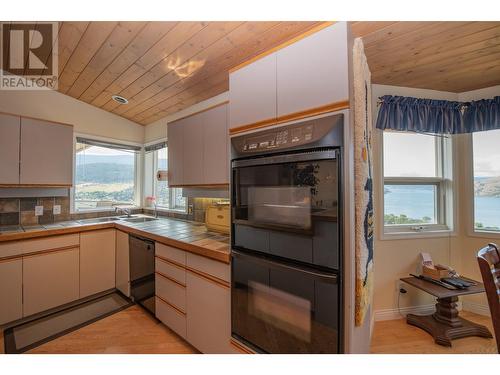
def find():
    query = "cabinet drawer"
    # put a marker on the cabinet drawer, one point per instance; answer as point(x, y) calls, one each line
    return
point(16, 248)
point(170, 270)
point(212, 267)
point(170, 253)
point(171, 292)
point(173, 319)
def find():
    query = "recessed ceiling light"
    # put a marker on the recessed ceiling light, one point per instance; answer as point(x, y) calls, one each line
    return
point(119, 99)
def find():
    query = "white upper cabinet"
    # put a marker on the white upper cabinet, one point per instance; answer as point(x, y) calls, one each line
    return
point(252, 92)
point(215, 146)
point(193, 149)
point(313, 72)
point(306, 75)
point(198, 149)
point(10, 127)
point(46, 153)
point(175, 135)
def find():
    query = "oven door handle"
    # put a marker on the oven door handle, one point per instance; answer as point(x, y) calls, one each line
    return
point(287, 158)
point(328, 277)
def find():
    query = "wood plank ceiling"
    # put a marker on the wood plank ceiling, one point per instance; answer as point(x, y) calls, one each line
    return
point(160, 67)
point(164, 67)
point(447, 56)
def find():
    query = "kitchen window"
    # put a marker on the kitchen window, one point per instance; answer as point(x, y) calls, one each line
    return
point(486, 164)
point(105, 175)
point(166, 198)
point(417, 182)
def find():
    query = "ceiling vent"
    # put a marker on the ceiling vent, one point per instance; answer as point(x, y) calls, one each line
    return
point(119, 99)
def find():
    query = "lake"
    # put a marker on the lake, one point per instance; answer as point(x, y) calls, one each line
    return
point(418, 202)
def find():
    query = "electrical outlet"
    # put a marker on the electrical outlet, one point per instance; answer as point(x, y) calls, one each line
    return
point(57, 209)
point(400, 287)
point(38, 210)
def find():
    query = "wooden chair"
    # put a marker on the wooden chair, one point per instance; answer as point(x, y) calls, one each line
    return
point(489, 264)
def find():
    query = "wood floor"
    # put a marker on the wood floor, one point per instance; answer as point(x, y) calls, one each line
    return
point(133, 331)
point(397, 337)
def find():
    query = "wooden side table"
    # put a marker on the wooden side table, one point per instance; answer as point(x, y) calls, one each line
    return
point(445, 324)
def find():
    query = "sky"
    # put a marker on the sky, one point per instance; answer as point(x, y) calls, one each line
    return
point(487, 153)
point(409, 155)
point(413, 154)
point(95, 150)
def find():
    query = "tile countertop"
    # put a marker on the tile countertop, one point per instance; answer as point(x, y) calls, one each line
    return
point(186, 235)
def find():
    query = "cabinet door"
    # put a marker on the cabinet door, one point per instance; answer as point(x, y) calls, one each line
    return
point(208, 315)
point(10, 127)
point(252, 92)
point(11, 290)
point(122, 263)
point(175, 136)
point(215, 152)
point(50, 280)
point(193, 149)
point(314, 71)
point(46, 153)
point(97, 261)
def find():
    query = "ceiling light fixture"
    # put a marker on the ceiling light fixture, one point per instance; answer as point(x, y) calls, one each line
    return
point(119, 99)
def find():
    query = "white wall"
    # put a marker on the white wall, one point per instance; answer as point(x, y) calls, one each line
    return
point(158, 129)
point(54, 106)
point(396, 258)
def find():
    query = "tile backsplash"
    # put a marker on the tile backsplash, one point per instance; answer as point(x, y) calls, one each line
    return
point(196, 213)
point(21, 211)
point(200, 206)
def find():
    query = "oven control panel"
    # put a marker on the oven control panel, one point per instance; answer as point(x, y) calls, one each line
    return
point(325, 131)
point(281, 138)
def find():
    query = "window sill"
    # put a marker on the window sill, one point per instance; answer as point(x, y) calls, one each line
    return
point(484, 234)
point(102, 209)
point(390, 236)
point(162, 209)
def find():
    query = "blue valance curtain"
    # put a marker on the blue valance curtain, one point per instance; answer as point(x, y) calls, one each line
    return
point(482, 115)
point(437, 116)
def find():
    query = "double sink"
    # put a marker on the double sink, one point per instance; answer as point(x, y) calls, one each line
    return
point(129, 219)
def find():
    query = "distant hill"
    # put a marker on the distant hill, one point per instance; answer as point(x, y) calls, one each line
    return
point(487, 186)
point(104, 173)
point(105, 159)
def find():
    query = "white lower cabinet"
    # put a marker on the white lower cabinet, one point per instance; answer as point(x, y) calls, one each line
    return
point(171, 317)
point(208, 307)
point(122, 277)
point(193, 298)
point(11, 290)
point(50, 280)
point(97, 261)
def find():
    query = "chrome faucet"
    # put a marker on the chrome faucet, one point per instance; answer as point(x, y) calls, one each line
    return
point(123, 210)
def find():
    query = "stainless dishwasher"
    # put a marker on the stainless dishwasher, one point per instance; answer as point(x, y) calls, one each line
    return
point(142, 272)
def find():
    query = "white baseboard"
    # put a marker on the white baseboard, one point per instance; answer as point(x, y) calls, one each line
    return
point(392, 314)
point(476, 308)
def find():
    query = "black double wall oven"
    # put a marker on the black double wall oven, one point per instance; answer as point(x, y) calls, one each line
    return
point(286, 237)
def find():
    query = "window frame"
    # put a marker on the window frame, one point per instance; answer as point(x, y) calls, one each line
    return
point(171, 196)
point(137, 175)
point(445, 197)
point(472, 231)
